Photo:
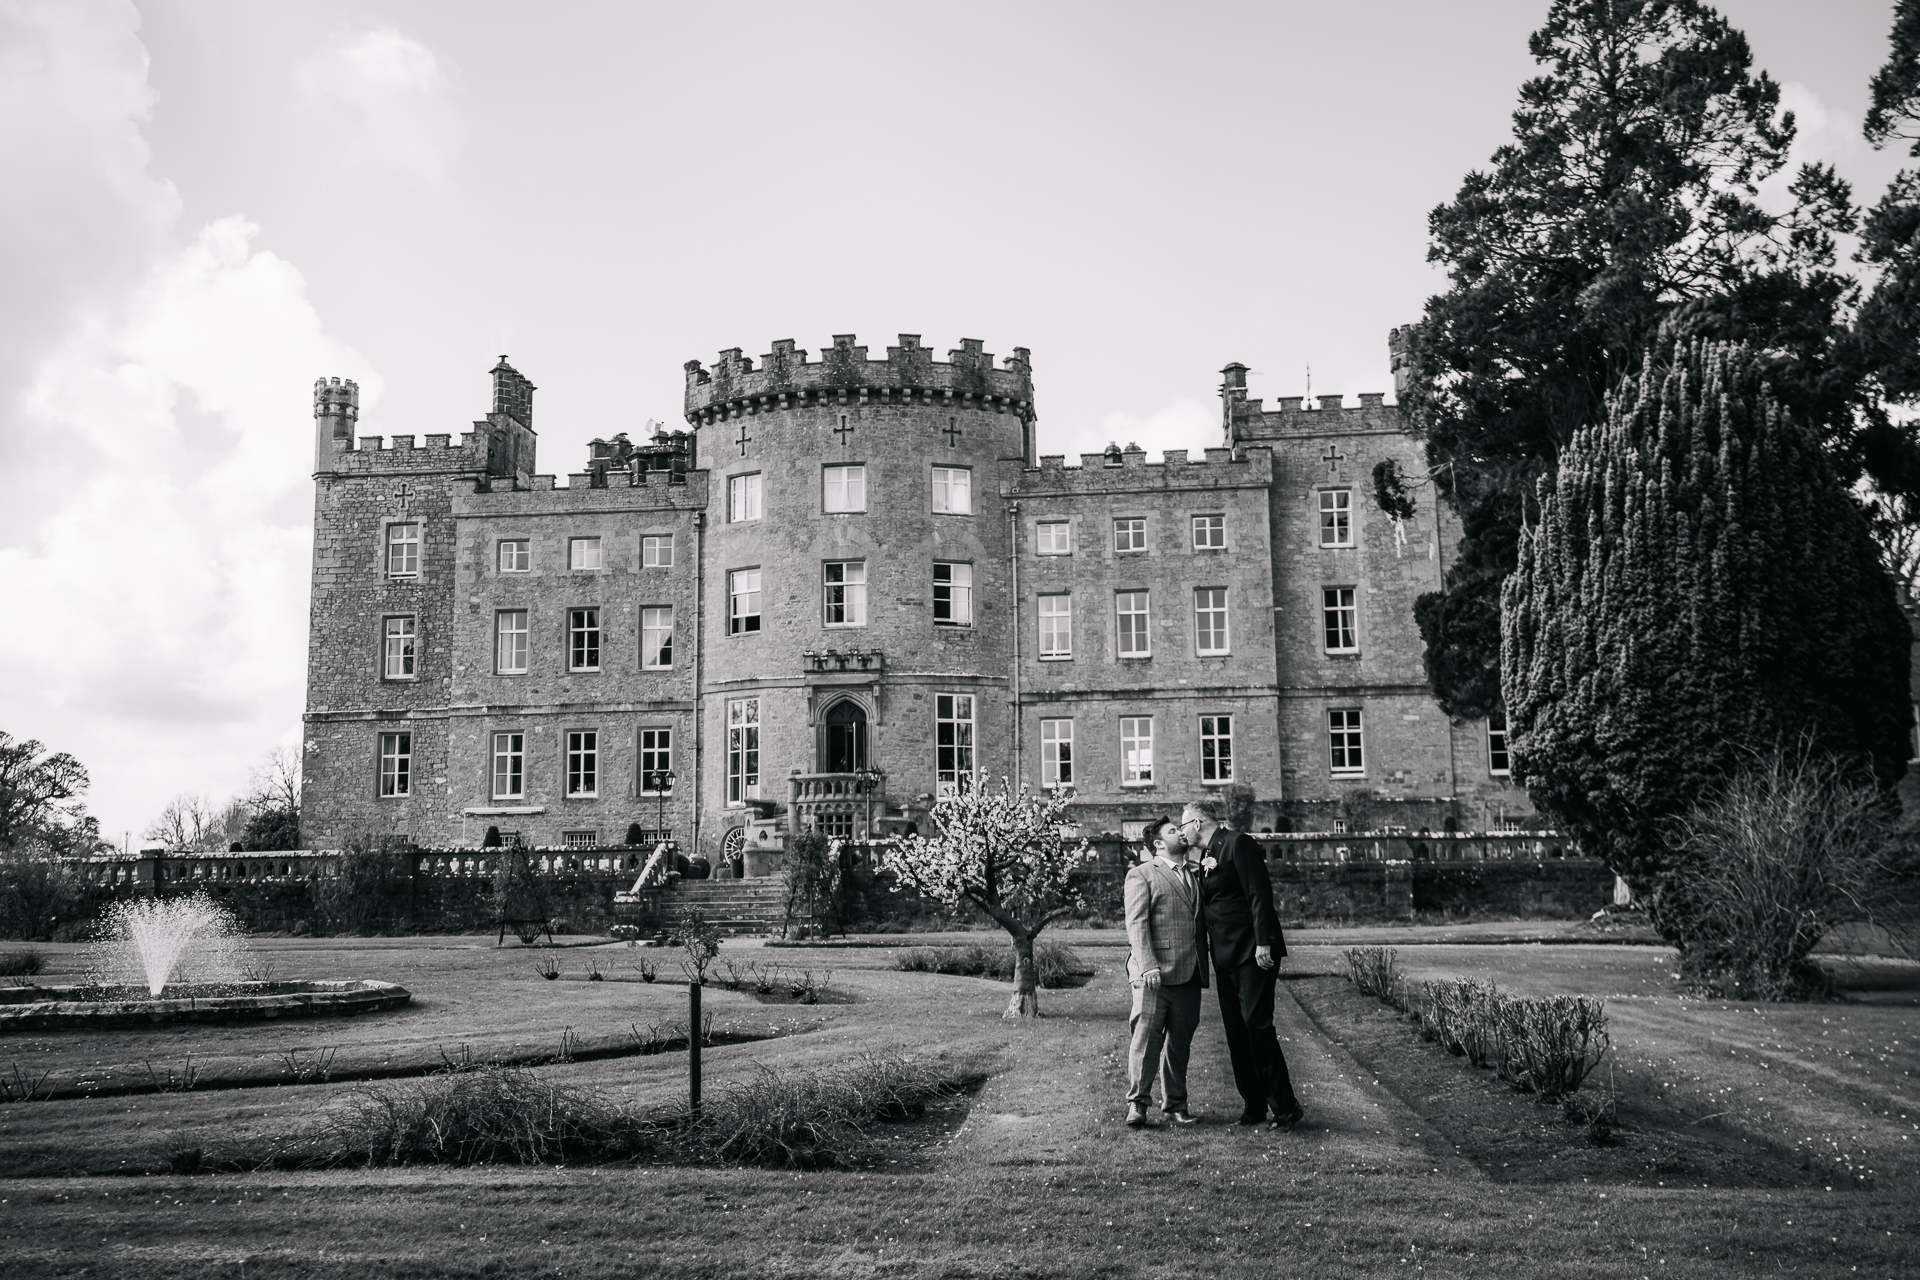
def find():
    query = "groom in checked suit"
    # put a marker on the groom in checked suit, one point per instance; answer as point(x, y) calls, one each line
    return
point(1168, 969)
point(1243, 932)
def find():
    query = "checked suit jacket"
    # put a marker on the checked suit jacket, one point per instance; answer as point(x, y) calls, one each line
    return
point(1164, 926)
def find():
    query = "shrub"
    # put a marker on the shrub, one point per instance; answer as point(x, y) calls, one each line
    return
point(1374, 970)
point(520, 895)
point(21, 962)
point(1788, 849)
point(371, 888)
point(486, 1115)
point(1546, 1046)
point(1056, 964)
point(805, 1119)
point(490, 1114)
point(37, 891)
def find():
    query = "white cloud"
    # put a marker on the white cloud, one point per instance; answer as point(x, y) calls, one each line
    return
point(1184, 424)
point(170, 595)
point(155, 437)
point(394, 95)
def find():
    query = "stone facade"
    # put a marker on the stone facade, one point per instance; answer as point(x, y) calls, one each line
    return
point(873, 587)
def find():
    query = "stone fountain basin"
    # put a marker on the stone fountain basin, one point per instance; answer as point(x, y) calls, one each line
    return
point(51, 1008)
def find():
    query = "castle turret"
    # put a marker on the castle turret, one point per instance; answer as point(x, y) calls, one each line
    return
point(336, 408)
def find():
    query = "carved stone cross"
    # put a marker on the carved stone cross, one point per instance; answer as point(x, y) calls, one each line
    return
point(1334, 458)
point(953, 433)
point(744, 439)
point(843, 430)
point(401, 495)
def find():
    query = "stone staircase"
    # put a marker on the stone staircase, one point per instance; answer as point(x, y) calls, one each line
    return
point(740, 907)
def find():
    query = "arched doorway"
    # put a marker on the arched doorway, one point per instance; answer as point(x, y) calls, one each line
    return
point(846, 738)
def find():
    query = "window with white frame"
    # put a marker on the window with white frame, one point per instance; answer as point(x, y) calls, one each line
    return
point(656, 638)
point(398, 648)
point(846, 593)
point(510, 642)
point(743, 602)
point(1130, 534)
point(1343, 740)
point(396, 764)
point(953, 490)
point(1136, 751)
point(1336, 517)
point(743, 497)
point(509, 766)
point(952, 594)
point(1499, 763)
point(743, 750)
point(583, 762)
point(1340, 619)
point(1210, 620)
point(1056, 753)
point(583, 554)
point(1053, 538)
point(1216, 748)
point(656, 762)
point(953, 743)
point(516, 555)
point(579, 839)
point(1056, 626)
point(403, 550)
point(583, 639)
point(844, 488)
point(1209, 533)
point(656, 551)
point(1132, 636)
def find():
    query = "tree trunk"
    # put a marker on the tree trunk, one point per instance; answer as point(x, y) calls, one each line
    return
point(1025, 1002)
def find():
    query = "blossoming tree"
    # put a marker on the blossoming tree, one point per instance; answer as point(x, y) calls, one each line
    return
point(1004, 851)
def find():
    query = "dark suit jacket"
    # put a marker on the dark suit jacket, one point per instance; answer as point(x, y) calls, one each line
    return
point(1237, 896)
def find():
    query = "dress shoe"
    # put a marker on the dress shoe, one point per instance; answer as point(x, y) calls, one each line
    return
point(1253, 1115)
point(1288, 1119)
point(1136, 1116)
point(1181, 1117)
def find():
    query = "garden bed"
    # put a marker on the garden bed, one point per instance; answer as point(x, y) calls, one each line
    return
point(1513, 1137)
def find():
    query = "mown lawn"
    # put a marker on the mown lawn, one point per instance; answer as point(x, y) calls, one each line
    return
point(1042, 1179)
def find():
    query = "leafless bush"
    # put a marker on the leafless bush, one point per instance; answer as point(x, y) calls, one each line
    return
point(1375, 971)
point(1789, 849)
point(547, 967)
point(508, 1115)
point(1055, 964)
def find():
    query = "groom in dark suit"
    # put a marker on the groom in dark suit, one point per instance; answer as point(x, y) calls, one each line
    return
point(1243, 932)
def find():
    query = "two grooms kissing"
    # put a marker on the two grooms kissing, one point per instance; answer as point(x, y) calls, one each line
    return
point(1204, 893)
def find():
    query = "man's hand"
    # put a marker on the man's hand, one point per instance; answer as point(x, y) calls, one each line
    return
point(1150, 979)
point(1263, 956)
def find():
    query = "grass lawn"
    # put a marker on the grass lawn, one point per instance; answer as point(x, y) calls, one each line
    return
point(1041, 1179)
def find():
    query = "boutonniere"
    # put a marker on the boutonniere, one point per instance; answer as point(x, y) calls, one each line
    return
point(1208, 864)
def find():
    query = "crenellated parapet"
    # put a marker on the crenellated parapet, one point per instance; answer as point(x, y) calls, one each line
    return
point(786, 379)
point(1298, 417)
point(1128, 472)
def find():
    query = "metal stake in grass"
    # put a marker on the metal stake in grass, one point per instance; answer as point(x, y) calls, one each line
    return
point(701, 938)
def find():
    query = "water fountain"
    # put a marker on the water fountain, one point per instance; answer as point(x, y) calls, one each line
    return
point(147, 940)
point(165, 960)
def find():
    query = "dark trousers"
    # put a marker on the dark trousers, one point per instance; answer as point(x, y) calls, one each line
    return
point(1259, 1068)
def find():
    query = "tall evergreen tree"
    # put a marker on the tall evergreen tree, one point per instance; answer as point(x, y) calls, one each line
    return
point(1626, 200)
point(1698, 584)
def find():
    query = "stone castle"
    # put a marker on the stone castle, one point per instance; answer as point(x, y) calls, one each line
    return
point(855, 584)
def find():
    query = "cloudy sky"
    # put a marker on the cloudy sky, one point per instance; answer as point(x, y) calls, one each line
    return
point(209, 204)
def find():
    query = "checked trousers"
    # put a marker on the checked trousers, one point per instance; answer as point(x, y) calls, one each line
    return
point(1164, 1020)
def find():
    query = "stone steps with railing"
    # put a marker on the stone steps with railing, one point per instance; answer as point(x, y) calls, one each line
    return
point(736, 907)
